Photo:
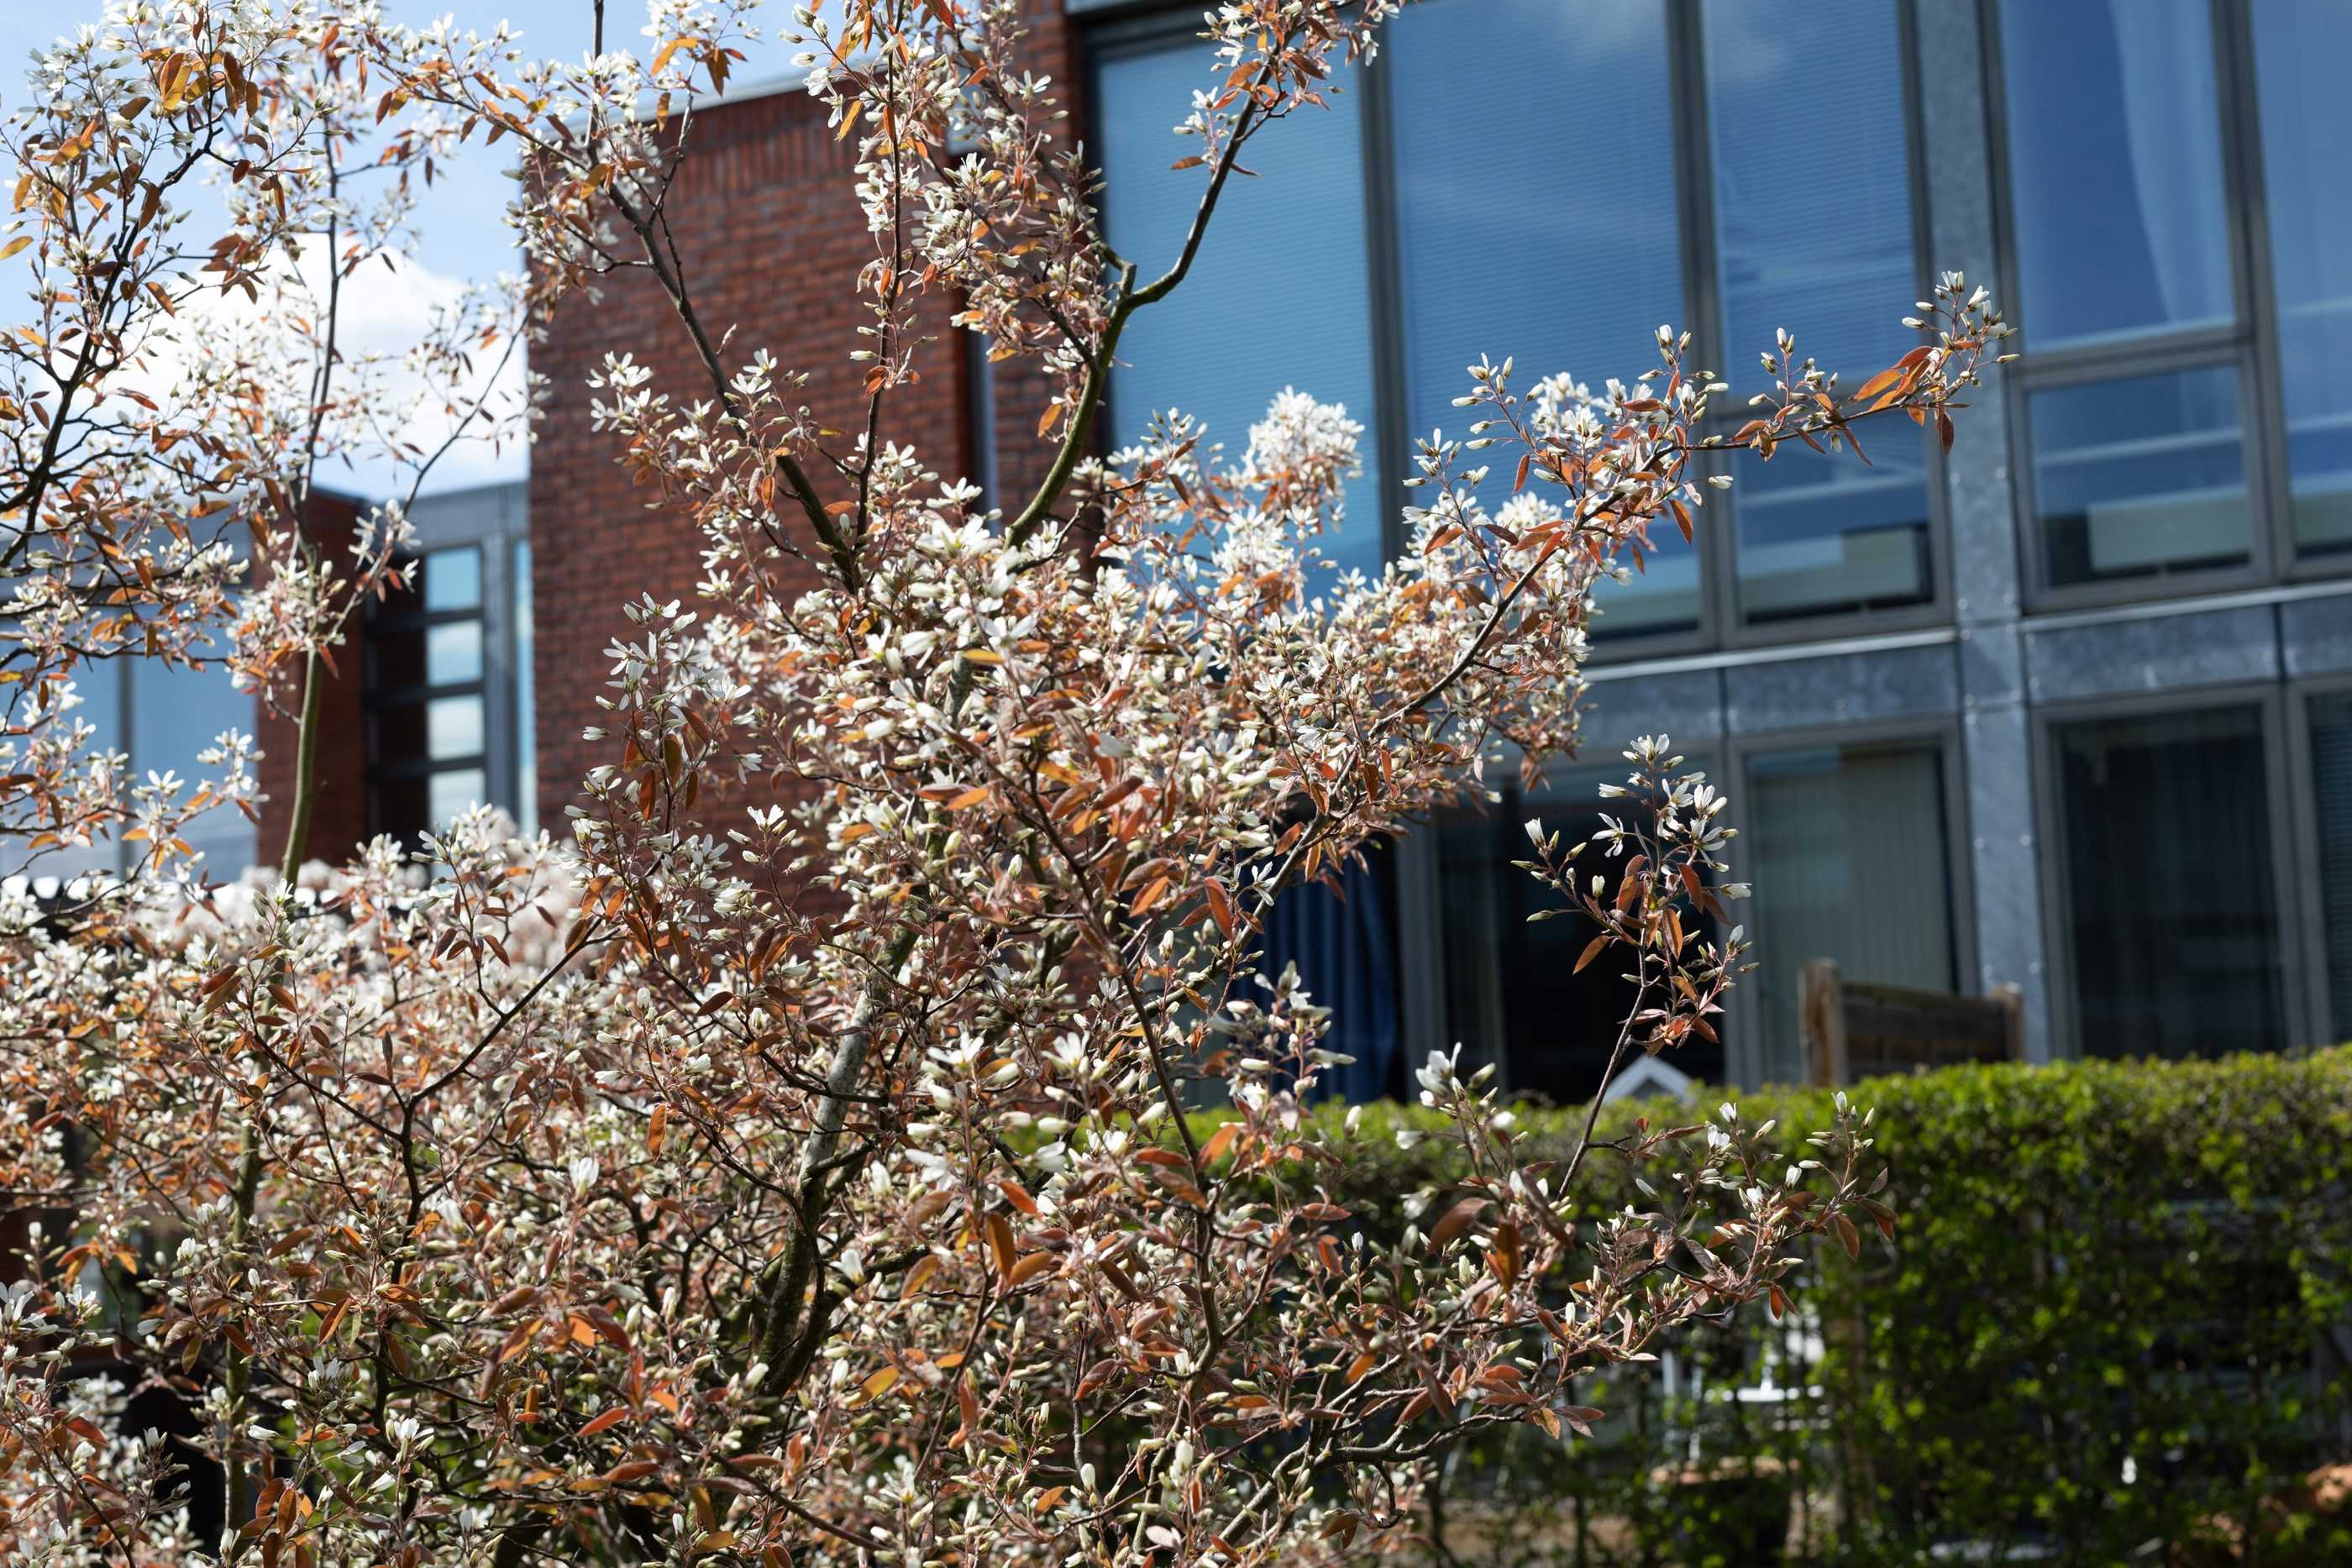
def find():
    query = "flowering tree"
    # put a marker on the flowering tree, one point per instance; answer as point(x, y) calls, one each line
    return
point(819, 1183)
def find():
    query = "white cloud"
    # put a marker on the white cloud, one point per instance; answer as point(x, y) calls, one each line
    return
point(395, 320)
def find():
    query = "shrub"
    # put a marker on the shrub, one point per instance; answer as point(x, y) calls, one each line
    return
point(2113, 1312)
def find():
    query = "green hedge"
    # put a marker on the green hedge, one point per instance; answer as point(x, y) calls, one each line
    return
point(2115, 1327)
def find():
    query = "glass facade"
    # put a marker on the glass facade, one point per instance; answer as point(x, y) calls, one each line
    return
point(430, 756)
point(2115, 168)
point(2020, 683)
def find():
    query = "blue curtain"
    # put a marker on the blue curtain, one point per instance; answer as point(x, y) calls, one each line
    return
point(1345, 946)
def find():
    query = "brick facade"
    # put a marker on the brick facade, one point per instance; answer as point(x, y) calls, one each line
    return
point(771, 239)
point(339, 817)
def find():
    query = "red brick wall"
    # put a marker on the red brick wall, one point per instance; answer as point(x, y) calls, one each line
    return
point(338, 817)
point(771, 240)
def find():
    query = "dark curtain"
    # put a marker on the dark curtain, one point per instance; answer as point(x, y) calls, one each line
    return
point(2176, 941)
point(1343, 940)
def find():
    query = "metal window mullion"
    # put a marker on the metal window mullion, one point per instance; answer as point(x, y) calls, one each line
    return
point(498, 678)
point(2265, 399)
point(1694, 181)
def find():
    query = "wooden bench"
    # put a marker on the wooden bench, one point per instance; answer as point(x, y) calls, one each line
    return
point(1854, 1029)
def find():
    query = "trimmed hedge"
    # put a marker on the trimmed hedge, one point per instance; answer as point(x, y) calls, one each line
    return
point(2115, 1327)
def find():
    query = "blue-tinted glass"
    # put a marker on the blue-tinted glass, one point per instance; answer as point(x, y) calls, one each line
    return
point(176, 714)
point(1578, 280)
point(1827, 532)
point(526, 699)
point(1278, 296)
point(453, 652)
point(1812, 183)
point(2115, 153)
point(1660, 597)
point(453, 578)
point(1500, 254)
point(1813, 233)
point(456, 791)
point(2302, 55)
point(2140, 476)
point(453, 726)
point(99, 684)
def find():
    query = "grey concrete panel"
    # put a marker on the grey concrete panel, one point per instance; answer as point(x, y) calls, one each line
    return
point(2151, 653)
point(2315, 635)
point(1840, 688)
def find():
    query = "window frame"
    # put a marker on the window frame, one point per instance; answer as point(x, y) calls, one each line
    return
point(2297, 937)
point(1722, 626)
point(2248, 345)
point(1743, 1018)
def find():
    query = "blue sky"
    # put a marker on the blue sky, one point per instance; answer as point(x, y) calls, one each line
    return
point(464, 235)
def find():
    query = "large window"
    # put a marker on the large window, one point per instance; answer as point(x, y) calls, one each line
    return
point(2116, 158)
point(1278, 295)
point(526, 690)
point(1851, 857)
point(1576, 281)
point(1814, 232)
point(2140, 476)
point(2180, 223)
point(2172, 909)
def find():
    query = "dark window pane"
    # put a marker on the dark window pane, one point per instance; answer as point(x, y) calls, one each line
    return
point(2303, 51)
point(1343, 941)
point(1278, 296)
point(1848, 855)
point(398, 651)
point(2174, 913)
point(453, 580)
point(2115, 152)
point(2138, 477)
point(1576, 282)
point(402, 808)
point(1823, 532)
point(1511, 988)
point(2331, 767)
point(400, 733)
point(1812, 183)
